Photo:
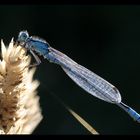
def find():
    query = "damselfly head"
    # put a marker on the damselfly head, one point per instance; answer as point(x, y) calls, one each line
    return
point(22, 37)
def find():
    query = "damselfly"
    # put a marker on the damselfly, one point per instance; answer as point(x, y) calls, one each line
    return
point(86, 79)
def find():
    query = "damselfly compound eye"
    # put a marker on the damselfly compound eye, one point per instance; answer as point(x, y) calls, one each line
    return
point(22, 37)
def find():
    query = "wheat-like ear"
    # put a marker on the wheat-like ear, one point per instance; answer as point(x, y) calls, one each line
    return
point(20, 112)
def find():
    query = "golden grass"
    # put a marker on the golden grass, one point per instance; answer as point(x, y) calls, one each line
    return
point(20, 112)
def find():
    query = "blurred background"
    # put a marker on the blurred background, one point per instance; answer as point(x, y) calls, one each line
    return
point(104, 39)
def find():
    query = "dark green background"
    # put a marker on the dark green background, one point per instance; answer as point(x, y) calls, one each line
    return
point(105, 39)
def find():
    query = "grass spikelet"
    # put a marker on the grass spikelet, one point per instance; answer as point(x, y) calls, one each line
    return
point(20, 112)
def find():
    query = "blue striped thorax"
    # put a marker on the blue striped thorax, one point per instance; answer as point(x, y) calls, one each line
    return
point(34, 43)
